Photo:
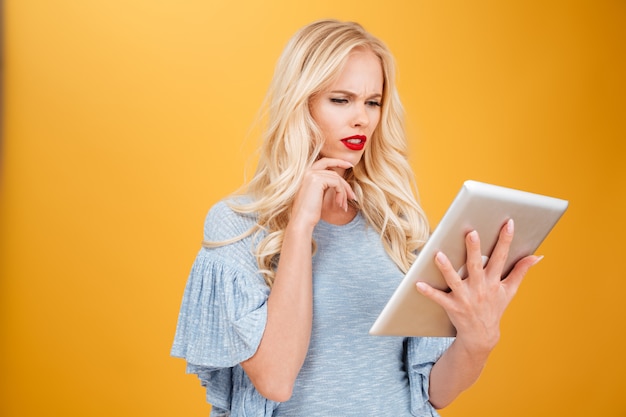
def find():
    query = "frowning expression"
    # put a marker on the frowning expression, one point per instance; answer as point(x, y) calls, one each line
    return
point(348, 111)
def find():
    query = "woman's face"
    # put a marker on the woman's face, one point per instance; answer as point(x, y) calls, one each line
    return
point(349, 110)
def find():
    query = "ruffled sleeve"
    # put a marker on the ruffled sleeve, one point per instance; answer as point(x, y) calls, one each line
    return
point(222, 316)
point(422, 353)
point(223, 311)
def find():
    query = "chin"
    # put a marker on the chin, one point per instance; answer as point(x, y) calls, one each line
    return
point(351, 157)
point(355, 160)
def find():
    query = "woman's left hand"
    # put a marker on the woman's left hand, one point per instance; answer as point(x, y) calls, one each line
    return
point(475, 305)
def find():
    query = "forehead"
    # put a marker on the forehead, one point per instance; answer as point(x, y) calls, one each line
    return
point(361, 73)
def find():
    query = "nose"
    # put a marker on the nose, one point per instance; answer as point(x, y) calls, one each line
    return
point(360, 117)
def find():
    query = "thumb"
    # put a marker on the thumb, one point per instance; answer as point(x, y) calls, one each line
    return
point(513, 281)
point(438, 296)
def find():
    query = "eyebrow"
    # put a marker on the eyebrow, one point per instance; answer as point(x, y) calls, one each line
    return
point(351, 94)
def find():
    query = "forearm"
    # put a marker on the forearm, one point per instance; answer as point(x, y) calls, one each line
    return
point(457, 369)
point(283, 347)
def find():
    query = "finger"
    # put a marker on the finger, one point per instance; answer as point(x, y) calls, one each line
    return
point(513, 281)
point(329, 163)
point(474, 262)
point(438, 296)
point(452, 278)
point(501, 251)
point(341, 196)
point(343, 190)
point(349, 191)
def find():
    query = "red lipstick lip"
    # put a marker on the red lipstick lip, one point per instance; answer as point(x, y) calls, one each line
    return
point(355, 146)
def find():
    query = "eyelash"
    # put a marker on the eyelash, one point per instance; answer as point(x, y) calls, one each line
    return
point(344, 101)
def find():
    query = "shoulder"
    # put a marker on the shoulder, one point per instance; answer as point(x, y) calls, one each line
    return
point(223, 222)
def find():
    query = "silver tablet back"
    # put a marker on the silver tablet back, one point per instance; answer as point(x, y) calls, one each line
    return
point(481, 207)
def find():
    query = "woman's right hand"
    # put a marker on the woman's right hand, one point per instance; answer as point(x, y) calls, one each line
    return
point(274, 367)
point(323, 180)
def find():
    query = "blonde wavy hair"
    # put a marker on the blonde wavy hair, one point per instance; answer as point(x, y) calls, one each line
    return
point(382, 181)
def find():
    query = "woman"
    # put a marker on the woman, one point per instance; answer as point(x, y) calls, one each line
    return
point(295, 268)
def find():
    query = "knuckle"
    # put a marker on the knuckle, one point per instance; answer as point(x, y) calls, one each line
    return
point(473, 264)
point(455, 285)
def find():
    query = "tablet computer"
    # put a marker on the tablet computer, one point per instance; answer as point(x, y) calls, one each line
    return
point(481, 207)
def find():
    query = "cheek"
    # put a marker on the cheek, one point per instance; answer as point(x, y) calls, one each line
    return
point(316, 110)
point(326, 120)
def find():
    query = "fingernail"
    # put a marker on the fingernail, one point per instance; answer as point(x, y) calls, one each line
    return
point(441, 258)
point(510, 226)
point(422, 286)
point(473, 236)
point(537, 260)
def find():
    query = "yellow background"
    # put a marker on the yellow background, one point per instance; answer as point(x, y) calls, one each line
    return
point(125, 120)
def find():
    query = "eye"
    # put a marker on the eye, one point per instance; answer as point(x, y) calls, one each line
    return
point(373, 103)
point(339, 100)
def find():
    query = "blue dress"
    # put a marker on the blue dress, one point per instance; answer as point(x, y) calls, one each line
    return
point(346, 372)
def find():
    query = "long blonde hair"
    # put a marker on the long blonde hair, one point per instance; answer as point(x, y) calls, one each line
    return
point(382, 181)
